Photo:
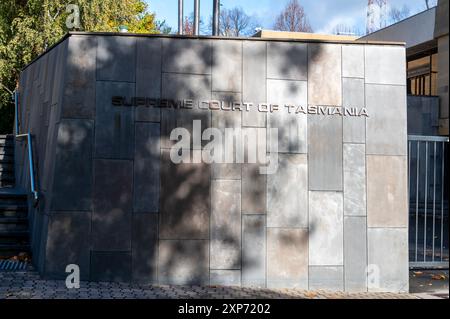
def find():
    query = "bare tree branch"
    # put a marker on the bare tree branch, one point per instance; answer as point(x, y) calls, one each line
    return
point(235, 23)
point(293, 18)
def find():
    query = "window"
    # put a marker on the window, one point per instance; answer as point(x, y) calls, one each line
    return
point(422, 75)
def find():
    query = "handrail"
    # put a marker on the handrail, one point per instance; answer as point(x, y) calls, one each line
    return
point(30, 148)
point(427, 138)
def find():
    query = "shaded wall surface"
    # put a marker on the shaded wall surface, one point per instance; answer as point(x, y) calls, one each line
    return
point(334, 214)
point(423, 115)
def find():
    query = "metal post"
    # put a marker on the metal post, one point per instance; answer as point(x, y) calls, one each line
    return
point(216, 6)
point(180, 17)
point(425, 204)
point(434, 198)
point(30, 162)
point(417, 199)
point(16, 109)
point(196, 16)
point(442, 201)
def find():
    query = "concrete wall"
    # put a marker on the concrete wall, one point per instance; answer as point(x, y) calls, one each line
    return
point(441, 33)
point(334, 214)
point(423, 115)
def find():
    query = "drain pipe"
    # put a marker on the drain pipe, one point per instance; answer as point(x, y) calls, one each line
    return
point(180, 17)
point(216, 7)
point(196, 16)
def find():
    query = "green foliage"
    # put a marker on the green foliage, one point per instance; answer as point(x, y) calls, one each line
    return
point(29, 27)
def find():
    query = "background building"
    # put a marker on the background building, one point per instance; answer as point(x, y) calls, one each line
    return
point(427, 53)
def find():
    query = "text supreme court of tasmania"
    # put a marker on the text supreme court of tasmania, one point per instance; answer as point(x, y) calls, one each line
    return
point(107, 110)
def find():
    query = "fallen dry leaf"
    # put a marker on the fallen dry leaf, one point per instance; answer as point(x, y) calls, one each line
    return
point(438, 277)
point(311, 294)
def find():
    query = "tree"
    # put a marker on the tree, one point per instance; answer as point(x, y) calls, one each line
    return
point(163, 27)
point(188, 25)
point(293, 18)
point(235, 23)
point(396, 14)
point(28, 28)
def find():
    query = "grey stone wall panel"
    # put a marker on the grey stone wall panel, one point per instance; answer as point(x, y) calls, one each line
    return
point(116, 59)
point(287, 192)
point(353, 61)
point(254, 250)
point(72, 189)
point(353, 96)
point(113, 205)
point(386, 124)
point(324, 74)
point(388, 259)
point(354, 180)
point(114, 125)
point(291, 127)
point(227, 66)
point(287, 258)
point(148, 76)
point(385, 64)
point(183, 262)
point(355, 253)
point(254, 81)
point(144, 255)
point(146, 180)
point(325, 153)
point(68, 242)
point(185, 205)
point(326, 277)
point(187, 56)
point(387, 199)
point(225, 225)
point(111, 266)
point(287, 61)
point(326, 226)
point(79, 88)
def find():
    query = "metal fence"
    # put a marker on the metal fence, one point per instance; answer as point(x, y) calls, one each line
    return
point(428, 201)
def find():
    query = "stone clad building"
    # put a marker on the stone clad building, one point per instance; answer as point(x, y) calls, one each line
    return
point(333, 215)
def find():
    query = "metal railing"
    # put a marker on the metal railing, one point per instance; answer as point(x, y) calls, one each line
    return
point(428, 201)
point(29, 138)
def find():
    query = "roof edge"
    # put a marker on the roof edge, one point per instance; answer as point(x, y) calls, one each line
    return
point(208, 37)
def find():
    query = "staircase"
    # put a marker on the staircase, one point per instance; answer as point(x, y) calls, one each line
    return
point(6, 161)
point(14, 235)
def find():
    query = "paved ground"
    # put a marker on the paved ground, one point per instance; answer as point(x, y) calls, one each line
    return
point(429, 282)
point(26, 285)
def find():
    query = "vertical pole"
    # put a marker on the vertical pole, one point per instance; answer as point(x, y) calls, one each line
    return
point(30, 162)
point(16, 110)
point(180, 17)
point(417, 198)
point(434, 198)
point(216, 6)
point(196, 16)
point(425, 204)
point(442, 201)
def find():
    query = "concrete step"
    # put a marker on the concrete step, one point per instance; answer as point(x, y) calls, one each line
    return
point(6, 159)
point(13, 207)
point(6, 151)
point(6, 184)
point(13, 194)
point(14, 214)
point(10, 235)
point(14, 220)
point(12, 249)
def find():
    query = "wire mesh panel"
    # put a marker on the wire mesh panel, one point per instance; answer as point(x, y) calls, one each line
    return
point(428, 201)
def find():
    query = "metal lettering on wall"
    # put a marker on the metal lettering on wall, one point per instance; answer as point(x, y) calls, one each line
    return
point(240, 106)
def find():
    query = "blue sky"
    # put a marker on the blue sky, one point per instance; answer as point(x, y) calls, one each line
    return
point(323, 14)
